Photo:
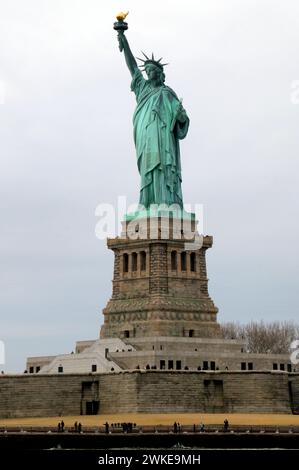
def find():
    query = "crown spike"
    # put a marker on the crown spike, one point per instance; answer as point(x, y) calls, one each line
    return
point(147, 58)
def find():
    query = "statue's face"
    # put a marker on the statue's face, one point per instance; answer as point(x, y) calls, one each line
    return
point(152, 72)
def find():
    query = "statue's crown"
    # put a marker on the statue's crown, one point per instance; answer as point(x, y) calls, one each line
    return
point(151, 60)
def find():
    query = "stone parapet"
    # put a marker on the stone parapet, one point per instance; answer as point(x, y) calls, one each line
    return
point(148, 392)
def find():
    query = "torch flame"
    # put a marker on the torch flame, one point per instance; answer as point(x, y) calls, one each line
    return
point(121, 16)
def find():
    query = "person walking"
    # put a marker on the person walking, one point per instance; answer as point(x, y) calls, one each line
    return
point(226, 424)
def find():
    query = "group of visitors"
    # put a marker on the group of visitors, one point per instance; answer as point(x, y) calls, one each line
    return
point(177, 428)
point(77, 427)
point(128, 427)
point(60, 427)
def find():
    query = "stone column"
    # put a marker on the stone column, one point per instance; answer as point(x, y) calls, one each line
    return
point(158, 268)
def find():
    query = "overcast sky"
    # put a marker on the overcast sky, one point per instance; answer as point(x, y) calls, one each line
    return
point(66, 146)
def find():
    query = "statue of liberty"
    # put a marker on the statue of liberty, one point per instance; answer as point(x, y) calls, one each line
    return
point(160, 121)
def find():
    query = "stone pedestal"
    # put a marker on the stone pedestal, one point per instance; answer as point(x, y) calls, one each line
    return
point(160, 284)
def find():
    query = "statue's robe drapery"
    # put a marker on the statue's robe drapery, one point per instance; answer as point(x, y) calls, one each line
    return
point(156, 134)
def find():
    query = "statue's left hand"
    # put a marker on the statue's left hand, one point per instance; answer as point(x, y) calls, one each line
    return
point(182, 115)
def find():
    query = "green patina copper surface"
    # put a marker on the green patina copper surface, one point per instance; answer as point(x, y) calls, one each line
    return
point(160, 122)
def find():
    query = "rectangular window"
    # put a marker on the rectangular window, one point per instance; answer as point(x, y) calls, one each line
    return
point(170, 364)
point(183, 261)
point(275, 366)
point(31, 370)
point(213, 365)
point(205, 365)
point(162, 365)
point(289, 367)
point(125, 263)
point(93, 368)
point(193, 262)
point(178, 365)
point(134, 261)
point(281, 366)
point(60, 369)
point(243, 366)
point(174, 263)
point(142, 260)
point(250, 365)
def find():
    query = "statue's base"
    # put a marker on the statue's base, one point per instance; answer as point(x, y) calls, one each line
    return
point(170, 212)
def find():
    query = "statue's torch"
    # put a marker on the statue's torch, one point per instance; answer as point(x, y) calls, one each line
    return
point(120, 25)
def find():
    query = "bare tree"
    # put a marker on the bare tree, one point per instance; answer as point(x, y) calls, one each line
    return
point(231, 330)
point(260, 337)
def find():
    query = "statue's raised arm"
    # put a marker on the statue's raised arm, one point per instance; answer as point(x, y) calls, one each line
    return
point(124, 46)
point(121, 26)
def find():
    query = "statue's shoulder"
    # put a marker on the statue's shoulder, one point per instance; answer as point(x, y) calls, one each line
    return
point(167, 89)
